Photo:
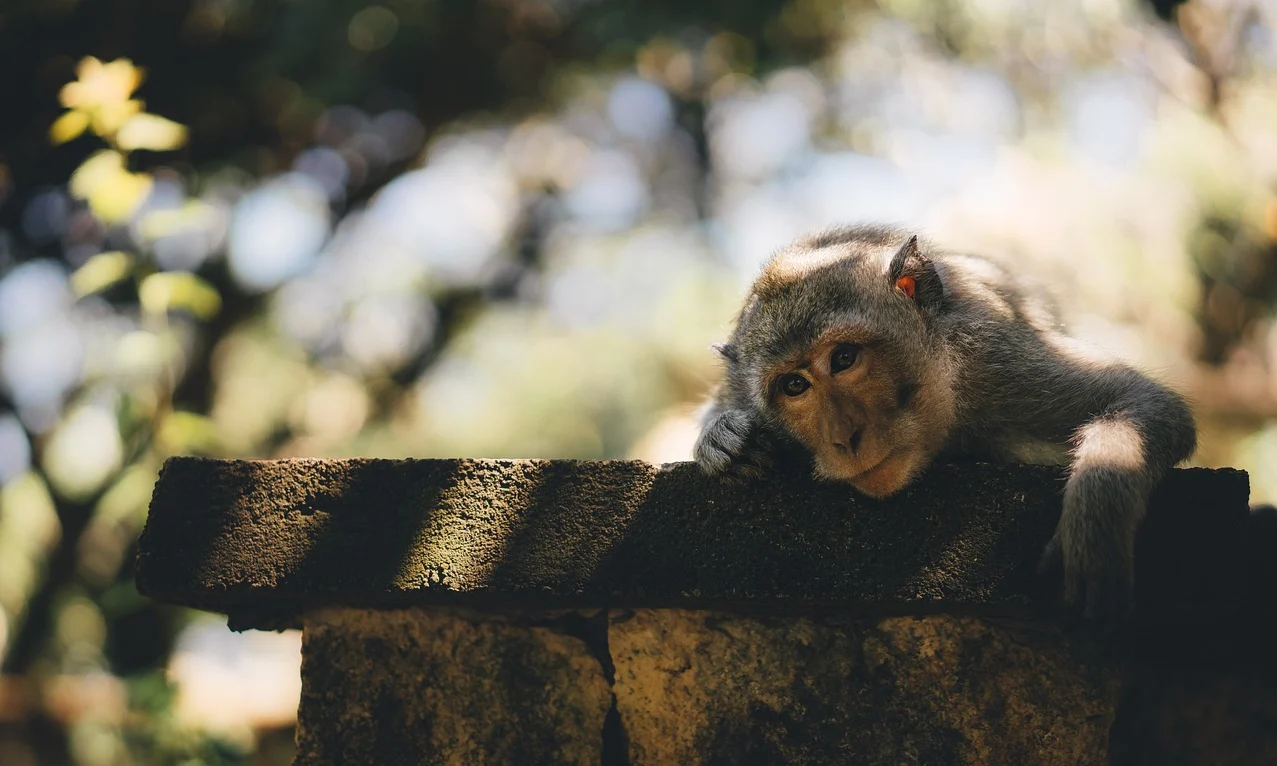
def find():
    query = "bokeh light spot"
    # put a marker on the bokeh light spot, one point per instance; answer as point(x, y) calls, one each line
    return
point(610, 193)
point(45, 217)
point(15, 450)
point(372, 28)
point(276, 230)
point(384, 331)
point(83, 452)
point(640, 109)
point(31, 293)
point(453, 214)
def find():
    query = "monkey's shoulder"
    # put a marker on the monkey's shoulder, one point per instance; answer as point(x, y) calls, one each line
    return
point(990, 292)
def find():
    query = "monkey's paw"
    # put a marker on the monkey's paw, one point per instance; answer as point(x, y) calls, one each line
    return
point(732, 446)
point(1096, 559)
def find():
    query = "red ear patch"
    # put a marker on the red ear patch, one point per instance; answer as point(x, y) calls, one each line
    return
point(907, 285)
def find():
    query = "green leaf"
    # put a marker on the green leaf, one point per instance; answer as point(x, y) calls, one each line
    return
point(188, 433)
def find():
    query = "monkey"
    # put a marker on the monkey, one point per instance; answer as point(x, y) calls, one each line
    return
point(877, 353)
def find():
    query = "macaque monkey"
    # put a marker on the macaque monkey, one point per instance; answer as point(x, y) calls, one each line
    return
point(880, 354)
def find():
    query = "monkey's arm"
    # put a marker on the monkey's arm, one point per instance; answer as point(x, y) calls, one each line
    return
point(1125, 431)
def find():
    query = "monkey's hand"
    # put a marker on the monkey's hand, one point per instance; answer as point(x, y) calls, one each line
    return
point(1104, 503)
point(1094, 544)
point(1125, 431)
point(732, 445)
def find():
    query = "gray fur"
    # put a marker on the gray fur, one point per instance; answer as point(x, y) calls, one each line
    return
point(1013, 381)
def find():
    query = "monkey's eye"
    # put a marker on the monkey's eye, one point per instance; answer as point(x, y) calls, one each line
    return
point(844, 356)
point(794, 384)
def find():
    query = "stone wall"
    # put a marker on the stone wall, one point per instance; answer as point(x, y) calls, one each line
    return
point(616, 613)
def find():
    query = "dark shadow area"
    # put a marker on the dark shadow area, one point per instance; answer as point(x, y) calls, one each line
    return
point(568, 523)
point(959, 536)
point(293, 530)
point(264, 538)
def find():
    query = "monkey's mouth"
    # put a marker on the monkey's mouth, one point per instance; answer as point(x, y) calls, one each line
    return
point(879, 463)
point(889, 473)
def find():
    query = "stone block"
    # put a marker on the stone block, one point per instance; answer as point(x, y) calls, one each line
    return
point(704, 688)
point(442, 686)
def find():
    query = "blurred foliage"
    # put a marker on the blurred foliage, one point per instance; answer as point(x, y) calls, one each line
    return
point(262, 228)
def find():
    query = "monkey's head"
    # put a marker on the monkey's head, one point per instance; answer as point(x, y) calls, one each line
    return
point(836, 346)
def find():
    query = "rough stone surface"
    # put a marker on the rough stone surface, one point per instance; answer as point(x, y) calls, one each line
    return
point(446, 687)
point(697, 688)
point(288, 534)
point(1173, 715)
point(442, 685)
point(786, 621)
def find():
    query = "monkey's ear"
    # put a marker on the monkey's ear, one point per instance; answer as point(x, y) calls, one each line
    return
point(727, 351)
point(913, 274)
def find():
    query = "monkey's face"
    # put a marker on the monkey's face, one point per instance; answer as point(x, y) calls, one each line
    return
point(834, 346)
point(850, 403)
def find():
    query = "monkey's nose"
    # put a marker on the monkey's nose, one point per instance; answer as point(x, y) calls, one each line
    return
point(850, 442)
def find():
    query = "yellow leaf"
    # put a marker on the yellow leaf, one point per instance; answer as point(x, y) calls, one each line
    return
point(98, 84)
point(72, 94)
point(107, 118)
point(115, 203)
point(68, 127)
point(173, 290)
point(98, 169)
point(150, 131)
point(103, 93)
point(101, 271)
point(113, 193)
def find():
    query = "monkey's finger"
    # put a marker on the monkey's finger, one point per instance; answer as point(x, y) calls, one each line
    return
point(712, 460)
point(751, 465)
point(1074, 589)
point(737, 423)
point(716, 450)
point(1110, 593)
point(757, 454)
point(719, 462)
point(740, 473)
point(1052, 559)
point(1093, 602)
